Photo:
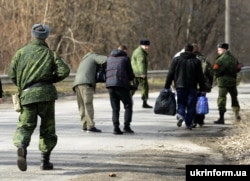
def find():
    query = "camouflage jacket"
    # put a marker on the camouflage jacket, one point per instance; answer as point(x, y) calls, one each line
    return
point(207, 69)
point(225, 70)
point(139, 62)
point(34, 68)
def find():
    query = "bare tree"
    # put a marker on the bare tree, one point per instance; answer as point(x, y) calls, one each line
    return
point(79, 26)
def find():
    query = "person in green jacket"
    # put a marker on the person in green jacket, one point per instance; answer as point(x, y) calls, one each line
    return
point(84, 85)
point(33, 69)
point(139, 64)
point(225, 69)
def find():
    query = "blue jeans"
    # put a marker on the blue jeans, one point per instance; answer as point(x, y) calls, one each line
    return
point(186, 104)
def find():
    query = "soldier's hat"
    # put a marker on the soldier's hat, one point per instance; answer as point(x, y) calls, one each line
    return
point(40, 31)
point(223, 45)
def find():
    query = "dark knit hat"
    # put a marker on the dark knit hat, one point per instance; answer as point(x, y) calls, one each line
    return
point(223, 45)
point(40, 31)
point(188, 48)
point(144, 42)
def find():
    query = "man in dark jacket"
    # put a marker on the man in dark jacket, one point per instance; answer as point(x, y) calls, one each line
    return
point(118, 81)
point(226, 69)
point(34, 68)
point(186, 72)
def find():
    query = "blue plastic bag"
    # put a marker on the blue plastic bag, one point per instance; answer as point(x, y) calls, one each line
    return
point(202, 105)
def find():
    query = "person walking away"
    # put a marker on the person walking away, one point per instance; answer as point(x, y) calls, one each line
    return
point(1, 92)
point(119, 77)
point(207, 70)
point(84, 85)
point(139, 62)
point(33, 69)
point(226, 68)
point(186, 72)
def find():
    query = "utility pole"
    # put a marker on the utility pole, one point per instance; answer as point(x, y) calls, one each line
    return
point(227, 22)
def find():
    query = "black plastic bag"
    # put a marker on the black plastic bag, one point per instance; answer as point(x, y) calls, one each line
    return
point(165, 103)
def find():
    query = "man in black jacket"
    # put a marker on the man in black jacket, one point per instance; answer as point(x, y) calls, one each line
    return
point(186, 72)
point(119, 74)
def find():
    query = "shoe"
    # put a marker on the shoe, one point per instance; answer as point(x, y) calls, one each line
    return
point(45, 163)
point(84, 129)
point(94, 130)
point(180, 120)
point(194, 125)
point(189, 127)
point(146, 106)
point(117, 131)
point(21, 159)
point(219, 121)
point(237, 116)
point(201, 124)
point(128, 130)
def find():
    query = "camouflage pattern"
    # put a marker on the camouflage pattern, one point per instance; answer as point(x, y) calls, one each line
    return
point(34, 68)
point(226, 70)
point(37, 63)
point(207, 70)
point(139, 65)
point(139, 62)
point(226, 73)
point(28, 122)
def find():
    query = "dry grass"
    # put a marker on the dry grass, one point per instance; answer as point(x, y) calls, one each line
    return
point(236, 144)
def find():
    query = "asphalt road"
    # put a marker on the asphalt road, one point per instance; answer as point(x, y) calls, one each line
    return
point(158, 150)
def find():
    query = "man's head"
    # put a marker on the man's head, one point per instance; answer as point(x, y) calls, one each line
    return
point(222, 47)
point(40, 31)
point(145, 44)
point(188, 48)
point(123, 48)
point(196, 48)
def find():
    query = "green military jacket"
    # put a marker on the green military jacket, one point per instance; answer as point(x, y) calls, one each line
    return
point(225, 70)
point(207, 70)
point(33, 69)
point(139, 62)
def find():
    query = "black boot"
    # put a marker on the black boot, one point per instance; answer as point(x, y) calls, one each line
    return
point(21, 158)
point(45, 164)
point(237, 115)
point(145, 105)
point(221, 118)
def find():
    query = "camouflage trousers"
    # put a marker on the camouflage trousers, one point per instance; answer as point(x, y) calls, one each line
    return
point(222, 98)
point(28, 121)
point(143, 82)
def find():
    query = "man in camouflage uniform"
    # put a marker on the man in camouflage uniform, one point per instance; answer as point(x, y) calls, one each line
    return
point(207, 70)
point(34, 68)
point(139, 64)
point(226, 69)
